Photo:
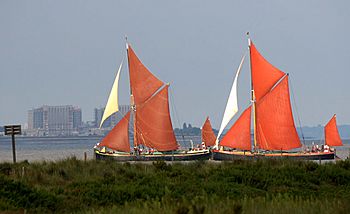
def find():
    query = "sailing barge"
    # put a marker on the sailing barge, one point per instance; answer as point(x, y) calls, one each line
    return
point(149, 119)
point(275, 135)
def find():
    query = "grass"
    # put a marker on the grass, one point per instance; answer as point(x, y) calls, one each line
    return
point(263, 186)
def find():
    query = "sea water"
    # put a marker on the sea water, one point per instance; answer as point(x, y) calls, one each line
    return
point(39, 149)
point(56, 148)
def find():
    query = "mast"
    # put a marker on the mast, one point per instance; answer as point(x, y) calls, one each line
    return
point(252, 94)
point(132, 103)
point(149, 101)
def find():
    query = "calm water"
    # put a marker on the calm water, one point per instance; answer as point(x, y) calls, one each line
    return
point(38, 149)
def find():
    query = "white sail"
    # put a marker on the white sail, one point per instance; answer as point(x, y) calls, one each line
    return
point(232, 103)
point(112, 103)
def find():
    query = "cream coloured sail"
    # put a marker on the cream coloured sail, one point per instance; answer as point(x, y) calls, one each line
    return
point(112, 103)
point(232, 103)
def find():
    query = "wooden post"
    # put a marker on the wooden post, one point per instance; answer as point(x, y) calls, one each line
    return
point(13, 130)
point(22, 171)
point(13, 148)
point(85, 156)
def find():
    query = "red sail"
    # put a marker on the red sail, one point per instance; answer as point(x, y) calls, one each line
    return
point(153, 123)
point(275, 129)
point(208, 136)
point(238, 136)
point(143, 83)
point(264, 75)
point(331, 133)
point(118, 137)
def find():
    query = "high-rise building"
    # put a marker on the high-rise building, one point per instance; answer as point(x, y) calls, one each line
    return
point(35, 119)
point(98, 113)
point(54, 120)
point(113, 119)
point(77, 118)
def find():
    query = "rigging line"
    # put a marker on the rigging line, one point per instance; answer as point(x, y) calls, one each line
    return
point(296, 109)
point(177, 118)
point(173, 107)
point(323, 138)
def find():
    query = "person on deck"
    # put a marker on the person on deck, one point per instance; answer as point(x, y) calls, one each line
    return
point(307, 149)
point(313, 148)
point(317, 148)
point(203, 146)
point(326, 148)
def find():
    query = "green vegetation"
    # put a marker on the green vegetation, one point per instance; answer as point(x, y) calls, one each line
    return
point(269, 186)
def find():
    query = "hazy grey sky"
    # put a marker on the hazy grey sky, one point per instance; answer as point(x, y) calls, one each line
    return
point(67, 52)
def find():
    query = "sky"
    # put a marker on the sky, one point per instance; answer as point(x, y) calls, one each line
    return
point(67, 53)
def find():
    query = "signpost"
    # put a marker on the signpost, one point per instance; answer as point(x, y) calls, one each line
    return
point(13, 130)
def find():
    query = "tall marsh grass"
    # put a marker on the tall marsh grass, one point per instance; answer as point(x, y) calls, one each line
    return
point(263, 186)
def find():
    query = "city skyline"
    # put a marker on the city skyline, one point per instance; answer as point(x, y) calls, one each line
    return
point(96, 111)
point(50, 58)
point(54, 120)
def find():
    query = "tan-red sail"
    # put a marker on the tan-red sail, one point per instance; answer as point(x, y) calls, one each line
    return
point(238, 136)
point(118, 137)
point(153, 123)
point(275, 129)
point(143, 83)
point(208, 135)
point(332, 137)
point(264, 75)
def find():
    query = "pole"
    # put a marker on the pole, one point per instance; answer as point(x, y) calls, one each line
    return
point(132, 100)
point(252, 94)
point(13, 148)
point(13, 130)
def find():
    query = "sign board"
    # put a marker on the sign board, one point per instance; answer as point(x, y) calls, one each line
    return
point(12, 130)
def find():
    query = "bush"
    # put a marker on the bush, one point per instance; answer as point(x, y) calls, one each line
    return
point(198, 187)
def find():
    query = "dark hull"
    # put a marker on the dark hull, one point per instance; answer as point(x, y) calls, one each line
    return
point(155, 157)
point(227, 156)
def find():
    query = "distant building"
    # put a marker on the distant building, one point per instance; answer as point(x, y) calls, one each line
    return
point(54, 120)
point(36, 119)
point(77, 118)
point(113, 119)
point(98, 113)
